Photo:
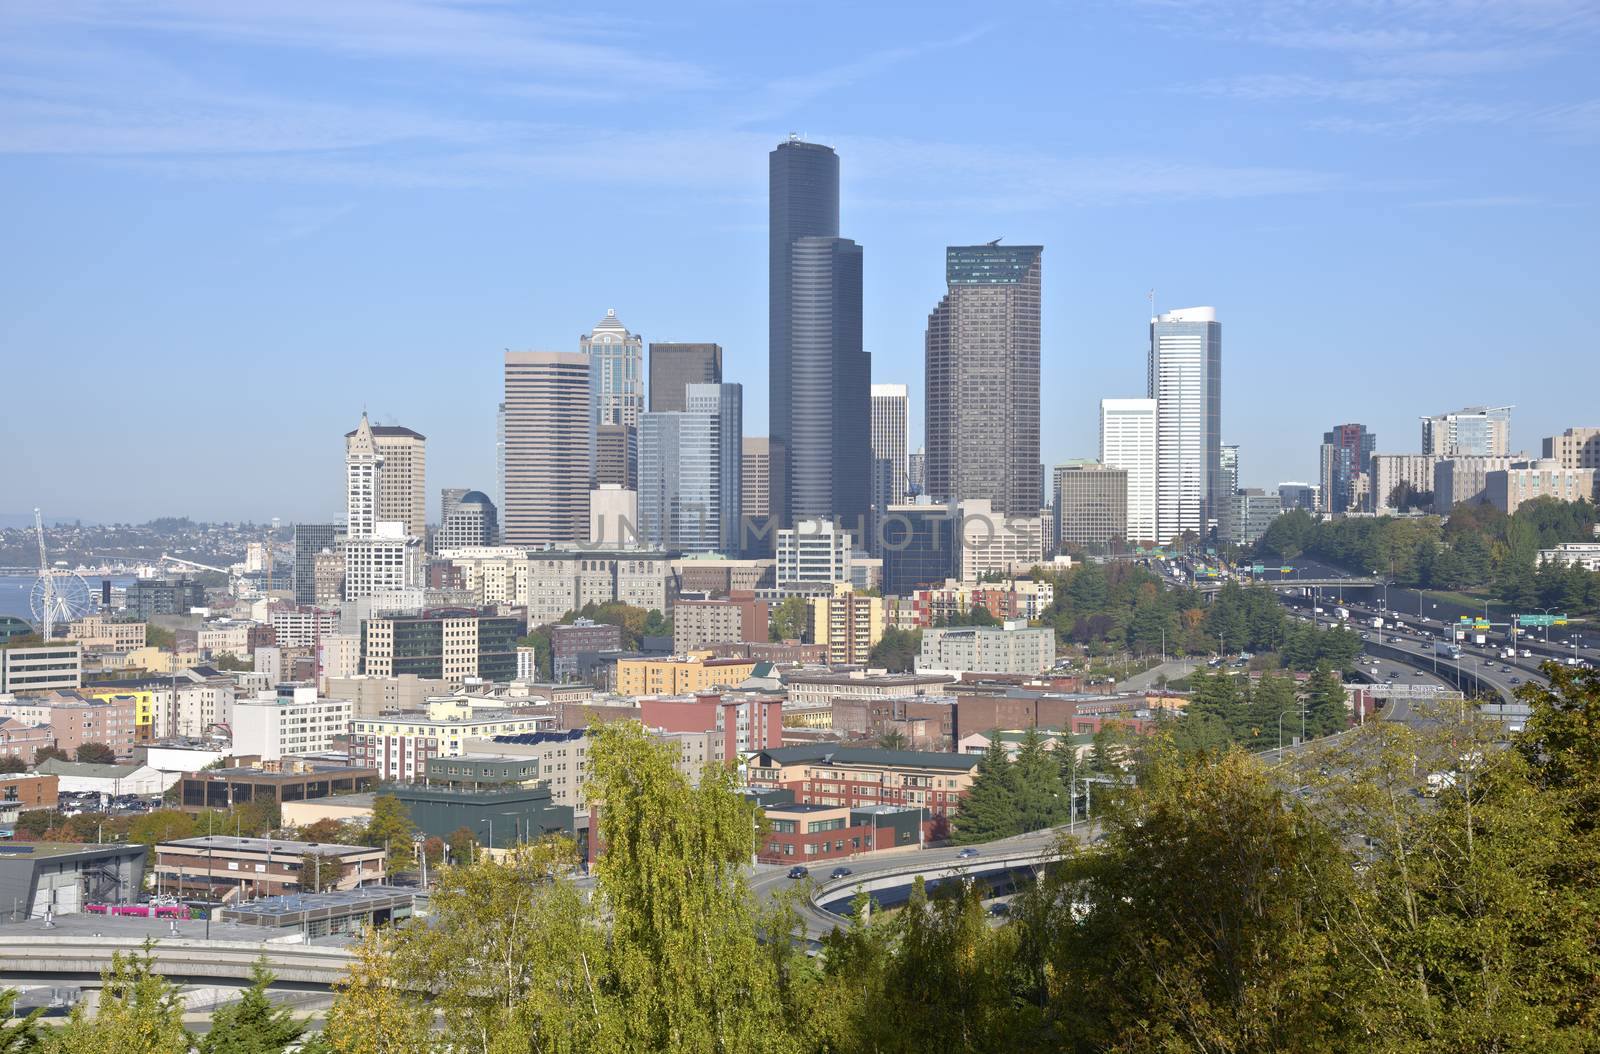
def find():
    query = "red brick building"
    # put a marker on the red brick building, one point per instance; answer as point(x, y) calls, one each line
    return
point(809, 834)
point(746, 722)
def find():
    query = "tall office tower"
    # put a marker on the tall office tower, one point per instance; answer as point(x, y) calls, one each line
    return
point(1346, 463)
point(1473, 431)
point(673, 366)
point(1128, 441)
point(616, 372)
point(1091, 506)
point(1185, 379)
point(616, 456)
point(549, 449)
point(678, 482)
point(757, 481)
point(1230, 469)
point(726, 403)
point(889, 434)
point(470, 523)
point(362, 465)
point(309, 540)
point(983, 379)
point(1574, 448)
point(402, 495)
point(819, 375)
point(917, 473)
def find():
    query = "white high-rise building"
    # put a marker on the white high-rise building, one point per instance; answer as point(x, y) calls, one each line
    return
point(1185, 379)
point(1128, 442)
point(361, 464)
point(889, 440)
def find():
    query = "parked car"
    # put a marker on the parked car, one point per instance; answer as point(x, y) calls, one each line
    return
point(799, 871)
point(840, 872)
point(967, 854)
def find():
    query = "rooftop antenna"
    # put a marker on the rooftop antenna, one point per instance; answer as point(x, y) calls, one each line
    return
point(1151, 296)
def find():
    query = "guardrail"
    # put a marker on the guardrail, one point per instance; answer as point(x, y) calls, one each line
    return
point(294, 965)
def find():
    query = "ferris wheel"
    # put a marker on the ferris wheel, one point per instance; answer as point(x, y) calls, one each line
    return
point(59, 597)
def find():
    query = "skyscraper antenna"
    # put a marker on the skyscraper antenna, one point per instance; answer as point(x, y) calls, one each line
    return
point(1151, 296)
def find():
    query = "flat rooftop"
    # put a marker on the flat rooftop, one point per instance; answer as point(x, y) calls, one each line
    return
point(227, 842)
point(39, 850)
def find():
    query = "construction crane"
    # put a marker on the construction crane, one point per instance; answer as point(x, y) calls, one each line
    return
point(47, 580)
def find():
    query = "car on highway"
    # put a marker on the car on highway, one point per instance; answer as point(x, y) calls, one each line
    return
point(1000, 910)
point(798, 872)
point(967, 854)
point(1516, 680)
point(840, 872)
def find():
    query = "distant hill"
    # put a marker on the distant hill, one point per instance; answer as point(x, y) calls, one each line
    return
point(25, 519)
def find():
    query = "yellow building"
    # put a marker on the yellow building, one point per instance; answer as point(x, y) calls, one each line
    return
point(159, 660)
point(849, 625)
point(680, 676)
point(144, 705)
point(98, 633)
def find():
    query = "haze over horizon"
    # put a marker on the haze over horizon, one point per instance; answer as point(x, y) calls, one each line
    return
point(232, 229)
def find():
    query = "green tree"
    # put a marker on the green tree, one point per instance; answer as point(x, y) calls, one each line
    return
point(139, 1012)
point(463, 847)
point(1186, 928)
point(229, 662)
point(896, 651)
point(391, 828)
point(657, 625)
point(319, 872)
point(790, 620)
point(894, 739)
point(989, 810)
point(95, 754)
point(1040, 799)
point(162, 825)
point(50, 753)
point(1327, 709)
point(539, 640)
point(160, 637)
point(17, 1035)
point(687, 966)
point(12, 763)
point(253, 1025)
point(372, 1012)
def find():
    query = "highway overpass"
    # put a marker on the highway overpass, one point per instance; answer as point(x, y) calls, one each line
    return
point(51, 959)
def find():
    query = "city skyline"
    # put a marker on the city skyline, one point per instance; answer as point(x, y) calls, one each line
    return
point(300, 251)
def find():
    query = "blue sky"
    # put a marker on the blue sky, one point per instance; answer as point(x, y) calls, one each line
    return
point(230, 226)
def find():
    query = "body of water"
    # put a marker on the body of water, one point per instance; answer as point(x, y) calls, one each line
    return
point(14, 590)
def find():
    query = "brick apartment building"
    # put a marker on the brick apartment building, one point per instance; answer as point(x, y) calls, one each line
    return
point(857, 777)
point(809, 834)
point(745, 723)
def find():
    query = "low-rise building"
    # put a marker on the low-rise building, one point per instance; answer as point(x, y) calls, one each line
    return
point(293, 720)
point(303, 625)
point(78, 777)
point(1465, 478)
point(1524, 481)
point(678, 675)
point(830, 774)
point(812, 688)
point(1584, 554)
point(1014, 647)
point(400, 745)
point(225, 788)
point(809, 834)
point(370, 695)
point(41, 879)
point(742, 722)
point(584, 636)
point(31, 668)
point(223, 868)
point(75, 720)
point(99, 633)
point(29, 790)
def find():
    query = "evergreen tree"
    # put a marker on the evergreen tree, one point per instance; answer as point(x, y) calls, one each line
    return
point(17, 1036)
point(1327, 709)
point(990, 808)
point(1036, 784)
point(252, 1025)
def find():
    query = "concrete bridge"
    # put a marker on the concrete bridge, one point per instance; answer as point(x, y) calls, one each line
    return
point(56, 959)
point(1212, 585)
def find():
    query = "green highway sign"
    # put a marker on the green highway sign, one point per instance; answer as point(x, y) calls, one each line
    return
point(1256, 569)
point(1541, 620)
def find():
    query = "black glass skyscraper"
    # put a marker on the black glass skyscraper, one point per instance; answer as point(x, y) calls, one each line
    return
point(820, 397)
